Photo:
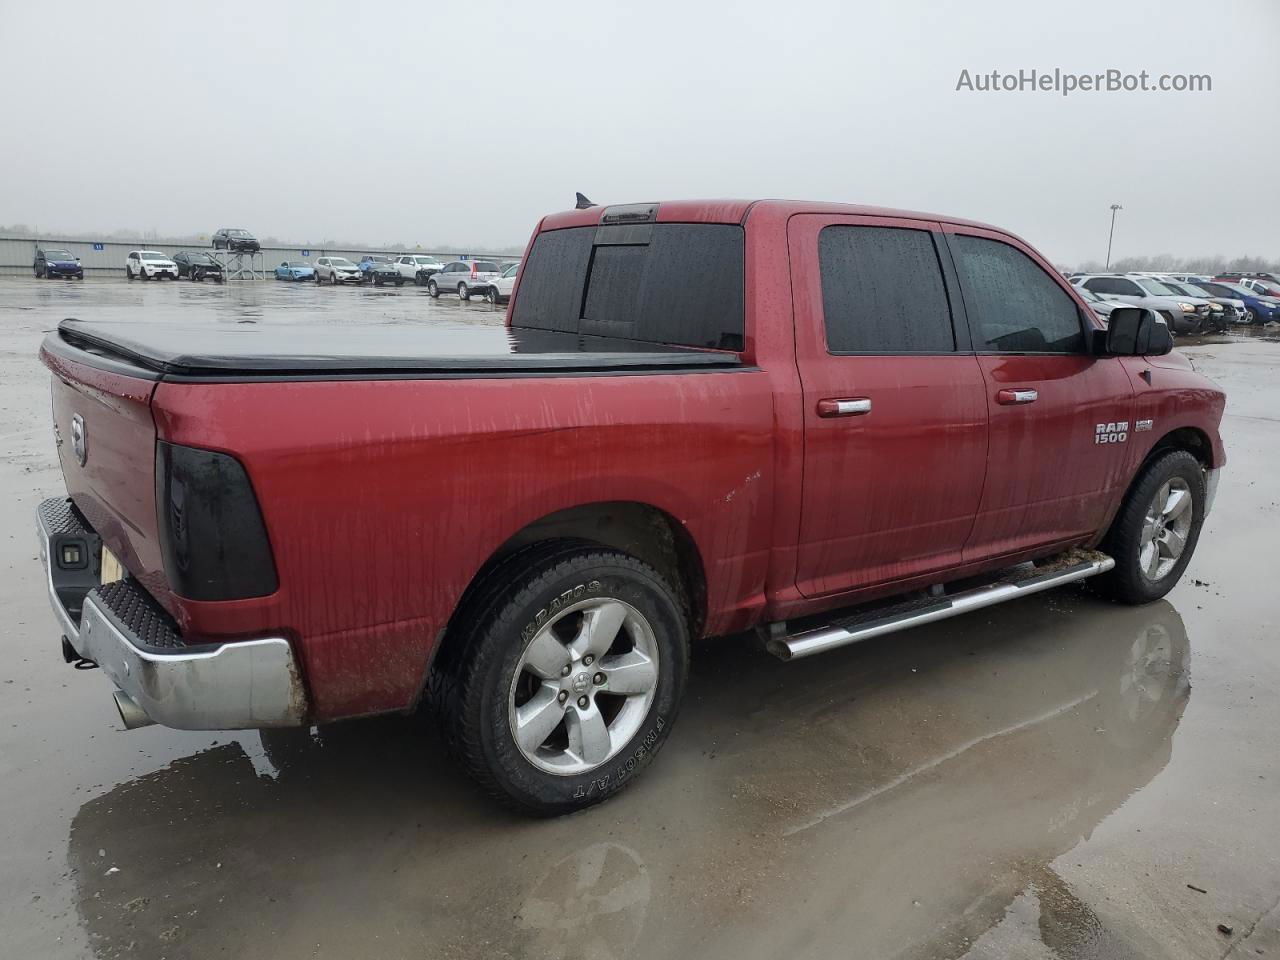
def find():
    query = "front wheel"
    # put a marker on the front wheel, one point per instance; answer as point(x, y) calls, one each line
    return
point(1155, 533)
point(1250, 315)
point(566, 677)
point(432, 289)
point(463, 292)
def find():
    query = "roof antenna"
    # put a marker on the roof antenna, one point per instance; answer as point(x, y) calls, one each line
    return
point(583, 203)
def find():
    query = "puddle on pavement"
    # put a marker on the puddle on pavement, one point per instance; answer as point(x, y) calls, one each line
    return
point(903, 796)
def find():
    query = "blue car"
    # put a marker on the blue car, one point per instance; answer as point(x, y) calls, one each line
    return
point(295, 270)
point(51, 263)
point(1257, 308)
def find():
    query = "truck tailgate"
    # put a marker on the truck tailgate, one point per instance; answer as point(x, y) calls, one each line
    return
point(106, 446)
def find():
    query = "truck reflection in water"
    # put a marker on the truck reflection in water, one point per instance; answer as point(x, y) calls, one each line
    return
point(898, 798)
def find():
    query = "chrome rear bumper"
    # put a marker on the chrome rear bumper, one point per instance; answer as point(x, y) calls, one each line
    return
point(240, 685)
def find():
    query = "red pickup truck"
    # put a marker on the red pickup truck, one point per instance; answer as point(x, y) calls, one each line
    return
point(824, 422)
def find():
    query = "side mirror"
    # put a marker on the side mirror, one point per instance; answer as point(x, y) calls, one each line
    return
point(1137, 332)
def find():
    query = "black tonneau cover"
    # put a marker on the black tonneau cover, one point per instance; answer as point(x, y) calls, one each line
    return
point(219, 351)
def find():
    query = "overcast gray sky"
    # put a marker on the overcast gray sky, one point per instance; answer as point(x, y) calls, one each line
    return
point(462, 123)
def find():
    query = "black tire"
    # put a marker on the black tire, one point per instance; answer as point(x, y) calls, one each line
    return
point(128, 272)
point(419, 280)
point(463, 292)
point(1250, 315)
point(1127, 583)
point(471, 679)
point(492, 295)
point(433, 290)
point(399, 284)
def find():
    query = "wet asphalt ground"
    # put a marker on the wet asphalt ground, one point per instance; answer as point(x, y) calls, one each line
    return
point(1055, 777)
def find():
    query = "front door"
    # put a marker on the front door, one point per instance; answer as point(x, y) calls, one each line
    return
point(1060, 417)
point(895, 414)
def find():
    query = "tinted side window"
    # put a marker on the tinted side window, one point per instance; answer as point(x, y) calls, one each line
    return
point(1014, 305)
point(882, 291)
point(678, 283)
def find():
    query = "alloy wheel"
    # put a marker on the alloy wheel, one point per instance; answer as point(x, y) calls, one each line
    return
point(583, 686)
point(1165, 529)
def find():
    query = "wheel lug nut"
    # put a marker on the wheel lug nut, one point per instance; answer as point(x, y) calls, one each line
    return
point(598, 678)
point(588, 660)
point(582, 702)
point(565, 670)
point(564, 695)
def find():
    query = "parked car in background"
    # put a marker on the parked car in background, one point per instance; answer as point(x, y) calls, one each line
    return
point(463, 277)
point(295, 270)
point(1181, 314)
point(1101, 308)
point(195, 265)
point(149, 265)
point(1261, 287)
point(1219, 313)
point(337, 270)
point(1257, 308)
point(52, 262)
point(499, 290)
point(1232, 306)
point(417, 267)
point(377, 270)
point(236, 240)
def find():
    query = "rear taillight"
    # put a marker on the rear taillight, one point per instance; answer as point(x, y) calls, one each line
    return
point(212, 537)
point(475, 269)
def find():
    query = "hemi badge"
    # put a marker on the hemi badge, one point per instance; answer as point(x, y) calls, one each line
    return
point(1141, 425)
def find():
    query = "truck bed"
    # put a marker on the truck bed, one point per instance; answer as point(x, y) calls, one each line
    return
point(234, 351)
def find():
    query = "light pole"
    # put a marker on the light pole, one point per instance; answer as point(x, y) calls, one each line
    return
point(1114, 208)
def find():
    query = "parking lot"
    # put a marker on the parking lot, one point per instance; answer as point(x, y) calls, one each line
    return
point(1056, 777)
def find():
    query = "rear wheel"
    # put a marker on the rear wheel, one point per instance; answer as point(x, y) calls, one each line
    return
point(566, 677)
point(1156, 531)
point(492, 295)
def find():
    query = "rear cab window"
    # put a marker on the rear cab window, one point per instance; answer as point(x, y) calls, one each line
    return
point(883, 291)
point(668, 283)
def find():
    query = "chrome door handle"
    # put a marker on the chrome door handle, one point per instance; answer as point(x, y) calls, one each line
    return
point(844, 407)
point(1009, 397)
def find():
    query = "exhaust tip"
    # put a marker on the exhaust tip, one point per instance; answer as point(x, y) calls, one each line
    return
point(131, 715)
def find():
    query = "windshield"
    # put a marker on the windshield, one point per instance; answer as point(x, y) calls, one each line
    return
point(1153, 287)
point(58, 255)
point(511, 270)
point(237, 233)
point(197, 258)
point(341, 262)
point(427, 260)
point(298, 263)
point(373, 259)
point(1087, 293)
point(1198, 291)
point(1177, 288)
point(153, 255)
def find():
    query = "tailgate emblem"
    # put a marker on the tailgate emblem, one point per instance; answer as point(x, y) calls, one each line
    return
point(79, 439)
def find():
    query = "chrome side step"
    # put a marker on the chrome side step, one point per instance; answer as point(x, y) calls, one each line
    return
point(1078, 565)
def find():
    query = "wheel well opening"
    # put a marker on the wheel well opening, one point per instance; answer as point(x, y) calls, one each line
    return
point(644, 531)
point(641, 530)
point(1194, 441)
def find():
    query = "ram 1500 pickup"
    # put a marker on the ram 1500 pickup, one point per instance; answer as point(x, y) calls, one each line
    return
point(823, 422)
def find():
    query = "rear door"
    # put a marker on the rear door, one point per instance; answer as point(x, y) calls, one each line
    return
point(895, 416)
point(1060, 417)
